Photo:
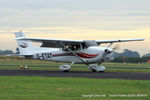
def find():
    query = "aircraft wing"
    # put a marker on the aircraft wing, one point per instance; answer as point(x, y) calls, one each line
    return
point(55, 43)
point(119, 40)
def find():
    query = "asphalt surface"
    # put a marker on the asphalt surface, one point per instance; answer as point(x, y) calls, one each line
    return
point(77, 74)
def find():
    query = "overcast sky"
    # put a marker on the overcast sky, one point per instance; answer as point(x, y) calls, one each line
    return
point(76, 19)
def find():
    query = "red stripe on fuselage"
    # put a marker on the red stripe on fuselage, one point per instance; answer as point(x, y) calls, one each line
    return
point(82, 55)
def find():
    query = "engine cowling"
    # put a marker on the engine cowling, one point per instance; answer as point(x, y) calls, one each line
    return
point(64, 67)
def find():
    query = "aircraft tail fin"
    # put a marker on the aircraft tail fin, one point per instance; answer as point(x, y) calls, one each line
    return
point(25, 47)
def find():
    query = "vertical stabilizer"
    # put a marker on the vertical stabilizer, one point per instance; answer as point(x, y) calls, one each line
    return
point(25, 47)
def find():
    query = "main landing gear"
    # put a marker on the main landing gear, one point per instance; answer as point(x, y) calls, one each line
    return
point(65, 68)
point(93, 68)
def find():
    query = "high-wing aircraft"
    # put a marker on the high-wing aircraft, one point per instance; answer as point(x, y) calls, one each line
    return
point(73, 51)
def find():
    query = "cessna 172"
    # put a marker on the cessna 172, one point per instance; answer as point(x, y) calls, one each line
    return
point(73, 51)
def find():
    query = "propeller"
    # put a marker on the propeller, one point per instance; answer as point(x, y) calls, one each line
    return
point(116, 47)
point(105, 53)
point(109, 51)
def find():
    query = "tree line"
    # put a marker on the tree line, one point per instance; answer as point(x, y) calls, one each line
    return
point(129, 56)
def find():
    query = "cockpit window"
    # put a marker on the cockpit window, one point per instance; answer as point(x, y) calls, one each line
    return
point(89, 43)
point(74, 47)
point(84, 45)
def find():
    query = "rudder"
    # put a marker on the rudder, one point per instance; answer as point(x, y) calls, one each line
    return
point(25, 47)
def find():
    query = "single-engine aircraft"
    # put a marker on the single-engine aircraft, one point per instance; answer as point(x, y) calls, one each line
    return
point(86, 52)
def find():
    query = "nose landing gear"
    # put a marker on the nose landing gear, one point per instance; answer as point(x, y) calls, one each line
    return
point(96, 68)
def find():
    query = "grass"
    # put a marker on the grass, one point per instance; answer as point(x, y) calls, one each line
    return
point(55, 88)
point(49, 88)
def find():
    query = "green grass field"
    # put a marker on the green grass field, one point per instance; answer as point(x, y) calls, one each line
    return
point(52, 88)
point(49, 88)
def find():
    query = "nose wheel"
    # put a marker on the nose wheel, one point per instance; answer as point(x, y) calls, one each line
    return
point(101, 71)
point(93, 70)
point(96, 71)
point(66, 70)
point(96, 68)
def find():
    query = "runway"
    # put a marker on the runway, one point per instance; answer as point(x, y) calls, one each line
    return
point(76, 74)
point(148, 68)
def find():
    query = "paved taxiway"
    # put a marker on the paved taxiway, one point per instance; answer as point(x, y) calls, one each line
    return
point(77, 74)
point(82, 67)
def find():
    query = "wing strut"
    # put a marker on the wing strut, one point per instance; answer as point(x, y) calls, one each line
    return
point(74, 54)
point(110, 44)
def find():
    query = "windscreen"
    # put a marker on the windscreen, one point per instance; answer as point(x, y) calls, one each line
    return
point(89, 43)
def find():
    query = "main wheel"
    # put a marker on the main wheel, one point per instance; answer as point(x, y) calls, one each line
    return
point(93, 70)
point(66, 70)
point(101, 71)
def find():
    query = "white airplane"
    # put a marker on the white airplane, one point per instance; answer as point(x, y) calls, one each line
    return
point(73, 51)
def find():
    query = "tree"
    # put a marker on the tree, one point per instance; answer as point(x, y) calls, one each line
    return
point(146, 55)
point(6, 52)
point(127, 53)
point(17, 51)
point(129, 56)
